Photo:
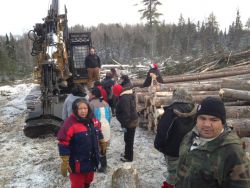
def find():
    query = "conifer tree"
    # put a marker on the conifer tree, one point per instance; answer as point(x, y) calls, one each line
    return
point(151, 14)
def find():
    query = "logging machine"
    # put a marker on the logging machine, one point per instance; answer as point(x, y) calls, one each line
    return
point(60, 59)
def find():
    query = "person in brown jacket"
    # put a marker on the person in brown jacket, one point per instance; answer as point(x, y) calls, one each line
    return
point(93, 65)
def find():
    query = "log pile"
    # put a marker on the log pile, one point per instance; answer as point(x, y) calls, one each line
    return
point(233, 90)
point(225, 72)
point(239, 114)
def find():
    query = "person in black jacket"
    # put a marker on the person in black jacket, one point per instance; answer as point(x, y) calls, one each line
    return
point(127, 115)
point(107, 84)
point(176, 121)
point(93, 65)
point(125, 82)
point(153, 70)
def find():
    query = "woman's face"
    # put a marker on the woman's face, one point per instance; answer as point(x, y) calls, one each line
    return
point(82, 110)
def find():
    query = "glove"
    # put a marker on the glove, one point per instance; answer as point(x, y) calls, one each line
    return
point(65, 166)
point(103, 146)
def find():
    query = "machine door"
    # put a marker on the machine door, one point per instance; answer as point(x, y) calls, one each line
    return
point(79, 54)
point(79, 44)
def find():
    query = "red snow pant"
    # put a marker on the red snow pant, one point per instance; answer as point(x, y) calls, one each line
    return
point(81, 180)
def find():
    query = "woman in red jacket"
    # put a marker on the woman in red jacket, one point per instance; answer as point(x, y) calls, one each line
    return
point(79, 139)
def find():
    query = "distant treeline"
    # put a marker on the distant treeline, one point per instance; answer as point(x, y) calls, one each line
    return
point(126, 42)
point(15, 58)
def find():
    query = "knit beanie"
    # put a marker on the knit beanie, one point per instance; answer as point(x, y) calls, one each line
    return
point(117, 89)
point(213, 107)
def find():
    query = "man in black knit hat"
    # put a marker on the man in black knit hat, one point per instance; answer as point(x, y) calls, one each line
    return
point(211, 155)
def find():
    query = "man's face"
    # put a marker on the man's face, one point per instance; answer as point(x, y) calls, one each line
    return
point(209, 126)
point(92, 51)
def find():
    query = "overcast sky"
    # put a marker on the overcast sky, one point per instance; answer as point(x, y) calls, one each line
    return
point(18, 16)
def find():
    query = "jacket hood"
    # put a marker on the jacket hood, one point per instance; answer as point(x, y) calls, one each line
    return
point(182, 109)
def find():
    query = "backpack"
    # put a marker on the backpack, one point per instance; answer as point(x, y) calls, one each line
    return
point(172, 128)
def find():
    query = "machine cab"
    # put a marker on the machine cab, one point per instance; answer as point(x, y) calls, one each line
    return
point(79, 46)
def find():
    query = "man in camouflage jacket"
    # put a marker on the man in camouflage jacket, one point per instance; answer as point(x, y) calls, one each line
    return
point(211, 155)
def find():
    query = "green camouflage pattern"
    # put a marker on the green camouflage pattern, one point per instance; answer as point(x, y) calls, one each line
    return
point(220, 163)
point(172, 163)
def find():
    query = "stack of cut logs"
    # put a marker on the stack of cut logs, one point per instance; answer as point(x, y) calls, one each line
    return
point(231, 84)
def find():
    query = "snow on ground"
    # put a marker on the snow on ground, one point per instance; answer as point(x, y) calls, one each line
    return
point(12, 97)
point(26, 162)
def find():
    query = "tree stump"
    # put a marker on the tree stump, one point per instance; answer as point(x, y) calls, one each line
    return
point(125, 177)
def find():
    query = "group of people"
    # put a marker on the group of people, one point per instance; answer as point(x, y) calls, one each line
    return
point(199, 148)
point(85, 133)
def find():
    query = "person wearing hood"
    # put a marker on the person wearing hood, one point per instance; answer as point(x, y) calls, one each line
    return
point(102, 112)
point(127, 115)
point(116, 90)
point(211, 155)
point(107, 84)
point(155, 71)
point(99, 85)
point(77, 92)
point(125, 82)
point(79, 139)
point(176, 121)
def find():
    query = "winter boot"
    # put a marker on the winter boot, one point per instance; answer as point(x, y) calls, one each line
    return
point(124, 159)
point(122, 155)
point(103, 161)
